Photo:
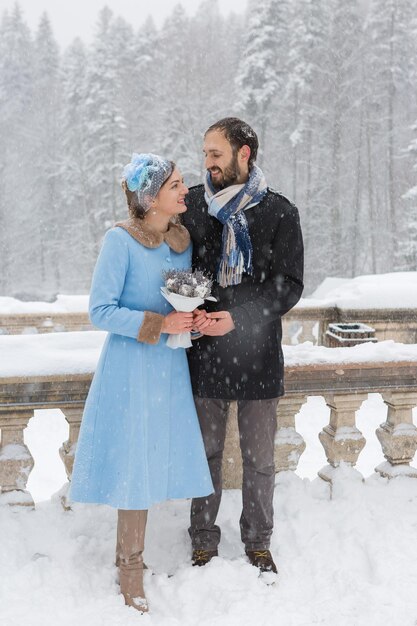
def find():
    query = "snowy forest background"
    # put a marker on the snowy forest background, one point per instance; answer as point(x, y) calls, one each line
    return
point(329, 85)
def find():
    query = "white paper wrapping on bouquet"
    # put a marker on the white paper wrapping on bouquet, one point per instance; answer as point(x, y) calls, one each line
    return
point(185, 304)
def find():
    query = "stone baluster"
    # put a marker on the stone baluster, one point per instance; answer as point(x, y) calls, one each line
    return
point(289, 445)
point(341, 440)
point(287, 328)
point(321, 332)
point(309, 331)
point(232, 459)
point(16, 461)
point(67, 450)
point(398, 435)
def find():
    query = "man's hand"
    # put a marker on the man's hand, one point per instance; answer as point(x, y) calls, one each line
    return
point(200, 320)
point(217, 324)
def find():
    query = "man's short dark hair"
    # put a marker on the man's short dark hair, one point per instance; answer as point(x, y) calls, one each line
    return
point(238, 134)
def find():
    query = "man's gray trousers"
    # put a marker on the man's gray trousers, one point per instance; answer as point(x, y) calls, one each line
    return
point(257, 427)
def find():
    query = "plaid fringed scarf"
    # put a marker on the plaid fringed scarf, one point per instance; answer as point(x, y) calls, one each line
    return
point(228, 205)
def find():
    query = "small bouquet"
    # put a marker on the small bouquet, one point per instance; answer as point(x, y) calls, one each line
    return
point(185, 290)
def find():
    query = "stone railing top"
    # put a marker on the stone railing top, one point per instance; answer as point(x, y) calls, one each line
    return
point(70, 390)
point(74, 353)
point(310, 309)
point(62, 304)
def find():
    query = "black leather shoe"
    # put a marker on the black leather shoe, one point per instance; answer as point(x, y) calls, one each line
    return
point(262, 559)
point(202, 557)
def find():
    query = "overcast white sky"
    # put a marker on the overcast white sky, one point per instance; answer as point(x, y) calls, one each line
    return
point(72, 18)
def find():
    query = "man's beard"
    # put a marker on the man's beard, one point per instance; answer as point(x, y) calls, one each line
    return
point(230, 174)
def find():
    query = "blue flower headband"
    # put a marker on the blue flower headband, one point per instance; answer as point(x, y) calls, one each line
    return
point(145, 174)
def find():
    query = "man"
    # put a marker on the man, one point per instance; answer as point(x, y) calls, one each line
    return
point(248, 237)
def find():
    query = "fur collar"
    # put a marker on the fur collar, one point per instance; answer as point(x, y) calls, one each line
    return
point(177, 236)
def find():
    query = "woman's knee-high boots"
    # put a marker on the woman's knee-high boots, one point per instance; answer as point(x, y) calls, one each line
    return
point(131, 527)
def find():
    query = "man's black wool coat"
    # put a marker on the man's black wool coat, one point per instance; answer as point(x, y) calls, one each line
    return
point(247, 363)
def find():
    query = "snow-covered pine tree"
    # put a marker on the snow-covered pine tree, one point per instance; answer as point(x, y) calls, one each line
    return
point(176, 110)
point(215, 48)
point(123, 48)
point(345, 43)
point(76, 198)
point(388, 32)
point(408, 234)
point(141, 91)
point(308, 133)
point(262, 70)
point(106, 128)
point(405, 114)
point(18, 271)
point(46, 136)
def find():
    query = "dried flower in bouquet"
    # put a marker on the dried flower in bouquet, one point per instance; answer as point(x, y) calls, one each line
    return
point(188, 283)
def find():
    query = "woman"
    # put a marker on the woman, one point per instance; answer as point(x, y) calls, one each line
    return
point(140, 440)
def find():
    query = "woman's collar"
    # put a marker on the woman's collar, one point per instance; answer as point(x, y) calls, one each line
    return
point(176, 237)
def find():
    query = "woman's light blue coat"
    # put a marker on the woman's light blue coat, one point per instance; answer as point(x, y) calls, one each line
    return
point(140, 440)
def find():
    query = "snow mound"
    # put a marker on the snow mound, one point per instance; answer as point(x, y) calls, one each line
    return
point(62, 304)
point(396, 290)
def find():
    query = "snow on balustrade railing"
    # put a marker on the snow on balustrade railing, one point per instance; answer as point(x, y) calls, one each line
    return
point(55, 371)
point(65, 313)
point(61, 304)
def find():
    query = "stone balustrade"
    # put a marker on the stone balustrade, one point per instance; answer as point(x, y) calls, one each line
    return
point(344, 388)
point(25, 323)
point(309, 323)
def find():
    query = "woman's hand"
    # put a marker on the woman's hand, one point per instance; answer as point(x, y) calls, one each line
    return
point(176, 322)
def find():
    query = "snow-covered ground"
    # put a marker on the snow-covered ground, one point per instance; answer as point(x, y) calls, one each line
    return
point(349, 561)
point(346, 561)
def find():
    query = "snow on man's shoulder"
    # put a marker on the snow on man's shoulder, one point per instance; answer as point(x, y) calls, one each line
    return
point(281, 197)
